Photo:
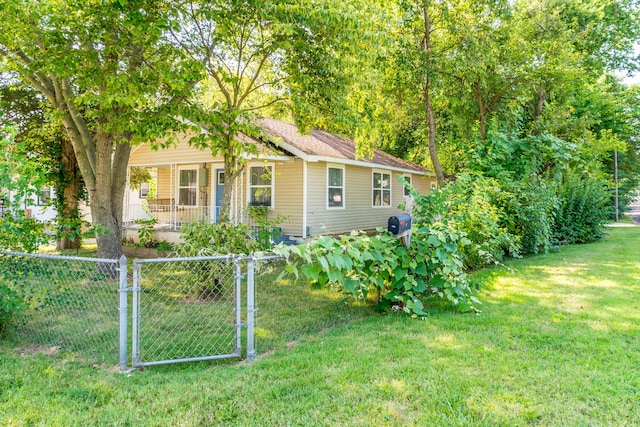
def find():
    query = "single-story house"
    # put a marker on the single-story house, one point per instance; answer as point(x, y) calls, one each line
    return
point(314, 183)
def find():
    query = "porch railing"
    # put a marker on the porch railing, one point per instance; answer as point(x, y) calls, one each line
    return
point(167, 215)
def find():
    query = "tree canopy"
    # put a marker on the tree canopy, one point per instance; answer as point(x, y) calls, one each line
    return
point(512, 90)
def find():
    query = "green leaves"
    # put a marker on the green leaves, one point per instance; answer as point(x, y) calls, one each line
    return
point(359, 263)
point(11, 307)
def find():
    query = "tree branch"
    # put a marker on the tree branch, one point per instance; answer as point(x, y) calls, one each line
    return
point(80, 124)
point(267, 104)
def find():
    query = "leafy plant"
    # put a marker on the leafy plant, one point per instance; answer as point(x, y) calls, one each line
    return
point(265, 229)
point(166, 246)
point(145, 230)
point(200, 239)
point(529, 206)
point(467, 205)
point(73, 228)
point(11, 307)
point(582, 210)
point(401, 276)
point(22, 234)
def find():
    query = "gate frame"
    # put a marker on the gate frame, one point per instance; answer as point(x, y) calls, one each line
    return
point(135, 332)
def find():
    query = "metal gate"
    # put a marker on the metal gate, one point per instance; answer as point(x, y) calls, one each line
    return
point(186, 309)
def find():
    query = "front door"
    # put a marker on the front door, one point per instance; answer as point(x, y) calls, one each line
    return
point(219, 191)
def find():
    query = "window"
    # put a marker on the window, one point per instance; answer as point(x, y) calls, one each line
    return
point(434, 185)
point(407, 192)
point(188, 187)
point(335, 187)
point(381, 189)
point(44, 195)
point(144, 190)
point(261, 186)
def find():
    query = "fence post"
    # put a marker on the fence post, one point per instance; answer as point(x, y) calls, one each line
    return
point(123, 313)
point(135, 316)
point(238, 277)
point(251, 350)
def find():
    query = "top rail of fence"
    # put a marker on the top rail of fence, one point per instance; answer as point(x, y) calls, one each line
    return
point(190, 258)
point(207, 258)
point(61, 257)
point(269, 258)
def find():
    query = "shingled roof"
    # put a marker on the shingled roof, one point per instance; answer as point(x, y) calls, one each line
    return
point(323, 146)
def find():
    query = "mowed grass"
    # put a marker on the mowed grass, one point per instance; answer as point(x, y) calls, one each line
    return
point(557, 343)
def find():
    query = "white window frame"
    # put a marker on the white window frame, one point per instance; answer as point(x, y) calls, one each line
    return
point(433, 186)
point(381, 189)
point(43, 201)
point(405, 191)
point(343, 187)
point(144, 190)
point(271, 186)
point(179, 187)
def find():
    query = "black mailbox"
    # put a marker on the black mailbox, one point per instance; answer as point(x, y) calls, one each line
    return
point(399, 223)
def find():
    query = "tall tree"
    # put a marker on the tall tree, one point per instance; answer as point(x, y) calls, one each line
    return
point(48, 142)
point(259, 56)
point(109, 77)
point(412, 71)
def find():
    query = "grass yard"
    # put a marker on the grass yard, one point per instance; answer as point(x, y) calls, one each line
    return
point(557, 344)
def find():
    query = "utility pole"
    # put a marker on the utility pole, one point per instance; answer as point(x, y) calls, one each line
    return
point(615, 180)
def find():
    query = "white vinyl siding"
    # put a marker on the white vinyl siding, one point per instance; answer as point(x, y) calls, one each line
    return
point(358, 213)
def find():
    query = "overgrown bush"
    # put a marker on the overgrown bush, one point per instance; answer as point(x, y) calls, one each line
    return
point(201, 239)
point(582, 210)
point(467, 206)
point(21, 234)
point(528, 207)
point(265, 229)
point(402, 276)
point(11, 306)
point(145, 230)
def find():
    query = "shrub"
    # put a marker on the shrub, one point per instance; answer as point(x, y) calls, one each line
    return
point(582, 210)
point(467, 206)
point(201, 239)
point(528, 207)
point(401, 276)
point(21, 234)
point(145, 231)
point(264, 229)
point(11, 306)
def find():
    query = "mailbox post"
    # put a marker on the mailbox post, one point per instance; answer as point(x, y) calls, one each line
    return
point(400, 227)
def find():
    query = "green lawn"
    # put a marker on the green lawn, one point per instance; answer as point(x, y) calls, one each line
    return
point(557, 343)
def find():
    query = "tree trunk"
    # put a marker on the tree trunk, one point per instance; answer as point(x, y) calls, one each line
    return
point(69, 187)
point(433, 152)
point(107, 196)
point(482, 113)
point(539, 106)
point(232, 171)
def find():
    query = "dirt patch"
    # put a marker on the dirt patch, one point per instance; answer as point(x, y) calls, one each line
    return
point(29, 350)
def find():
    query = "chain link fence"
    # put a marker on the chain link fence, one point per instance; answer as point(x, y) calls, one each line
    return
point(71, 302)
point(186, 309)
point(168, 310)
point(290, 309)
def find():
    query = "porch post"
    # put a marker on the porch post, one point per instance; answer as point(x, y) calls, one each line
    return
point(304, 199)
point(173, 215)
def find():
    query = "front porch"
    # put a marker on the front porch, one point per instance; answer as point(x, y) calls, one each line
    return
point(182, 193)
